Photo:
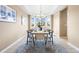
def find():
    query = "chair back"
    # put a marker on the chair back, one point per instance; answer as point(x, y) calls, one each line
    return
point(51, 33)
point(29, 34)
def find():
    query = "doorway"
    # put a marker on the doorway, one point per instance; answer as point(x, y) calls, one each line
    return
point(63, 24)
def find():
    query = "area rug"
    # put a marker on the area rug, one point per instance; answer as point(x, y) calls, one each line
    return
point(40, 47)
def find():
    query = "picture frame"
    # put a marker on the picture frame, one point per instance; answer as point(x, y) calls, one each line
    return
point(7, 14)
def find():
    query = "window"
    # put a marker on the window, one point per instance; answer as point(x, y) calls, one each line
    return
point(44, 22)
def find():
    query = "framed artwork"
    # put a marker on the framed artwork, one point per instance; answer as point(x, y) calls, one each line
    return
point(7, 14)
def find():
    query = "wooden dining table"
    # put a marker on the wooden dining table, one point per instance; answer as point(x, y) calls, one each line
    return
point(40, 34)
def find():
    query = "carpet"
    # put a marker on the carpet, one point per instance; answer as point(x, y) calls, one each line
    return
point(40, 47)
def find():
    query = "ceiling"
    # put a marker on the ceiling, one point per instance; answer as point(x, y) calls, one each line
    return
point(41, 9)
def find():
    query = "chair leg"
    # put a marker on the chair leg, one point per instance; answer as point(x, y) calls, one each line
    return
point(27, 40)
point(33, 42)
point(52, 40)
point(45, 41)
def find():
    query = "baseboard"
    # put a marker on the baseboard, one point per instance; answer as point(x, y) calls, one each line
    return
point(73, 46)
point(14, 43)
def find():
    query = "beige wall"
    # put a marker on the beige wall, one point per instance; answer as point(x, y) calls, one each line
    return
point(72, 17)
point(29, 21)
point(10, 32)
point(56, 23)
point(73, 25)
point(52, 22)
point(63, 22)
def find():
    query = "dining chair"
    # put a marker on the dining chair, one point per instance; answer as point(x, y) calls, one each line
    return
point(46, 37)
point(50, 35)
point(30, 36)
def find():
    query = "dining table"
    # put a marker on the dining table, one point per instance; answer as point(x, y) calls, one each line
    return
point(40, 34)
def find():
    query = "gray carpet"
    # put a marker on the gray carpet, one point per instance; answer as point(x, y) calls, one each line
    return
point(41, 48)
